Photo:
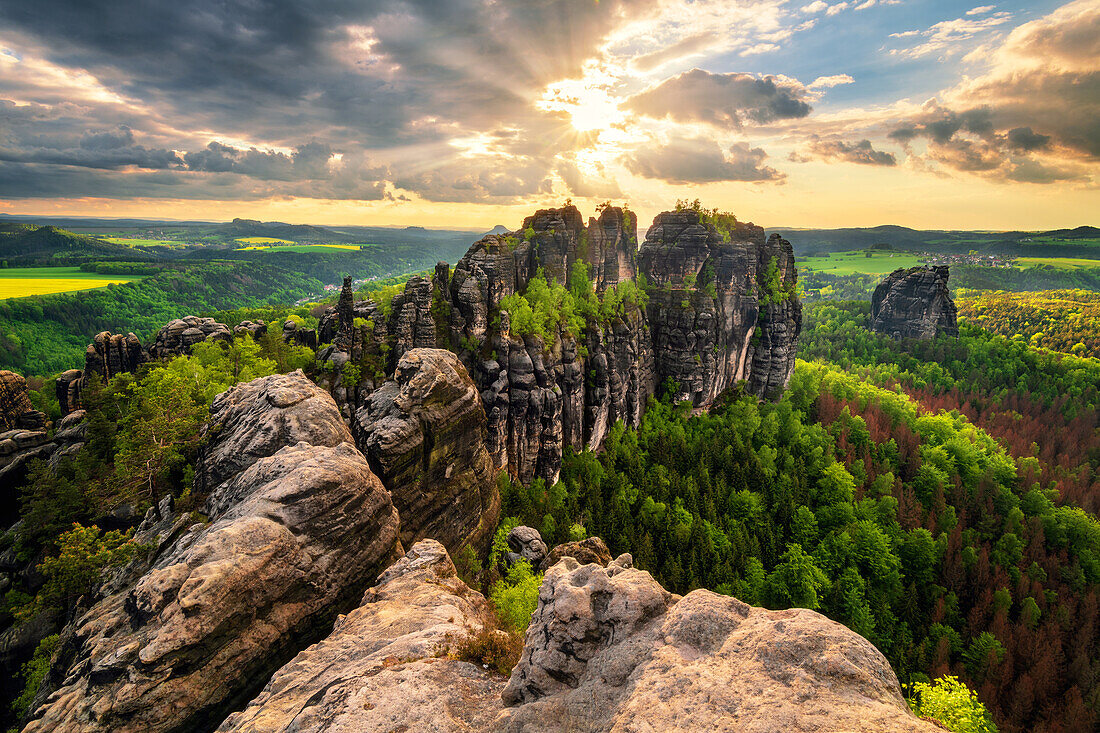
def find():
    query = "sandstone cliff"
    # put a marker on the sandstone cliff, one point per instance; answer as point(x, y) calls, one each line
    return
point(608, 649)
point(722, 311)
point(297, 526)
point(914, 303)
point(424, 435)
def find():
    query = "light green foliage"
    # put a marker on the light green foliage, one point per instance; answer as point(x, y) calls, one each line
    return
point(529, 233)
point(953, 704)
point(84, 553)
point(34, 672)
point(517, 595)
point(383, 297)
point(542, 309)
point(724, 221)
point(499, 547)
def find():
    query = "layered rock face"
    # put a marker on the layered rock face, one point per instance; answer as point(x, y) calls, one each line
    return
point(379, 670)
point(715, 318)
point(914, 303)
point(180, 335)
point(109, 355)
point(424, 435)
point(16, 410)
point(608, 649)
point(542, 396)
point(298, 526)
point(722, 310)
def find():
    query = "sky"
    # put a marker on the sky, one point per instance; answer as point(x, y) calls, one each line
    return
point(471, 113)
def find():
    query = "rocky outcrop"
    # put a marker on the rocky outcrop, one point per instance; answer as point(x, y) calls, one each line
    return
point(424, 435)
point(180, 335)
point(722, 312)
point(608, 649)
point(298, 335)
point(298, 526)
point(587, 551)
point(255, 329)
point(722, 307)
point(380, 669)
point(109, 355)
point(16, 410)
point(914, 303)
point(525, 543)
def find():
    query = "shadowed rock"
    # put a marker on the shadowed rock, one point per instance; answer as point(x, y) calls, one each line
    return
point(424, 434)
point(914, 303)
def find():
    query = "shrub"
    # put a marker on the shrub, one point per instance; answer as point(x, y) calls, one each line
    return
point(34, 672)
point(517, 595)
point(952, 704)
point(489, 646)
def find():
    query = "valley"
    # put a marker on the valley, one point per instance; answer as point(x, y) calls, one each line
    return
point(936, 495)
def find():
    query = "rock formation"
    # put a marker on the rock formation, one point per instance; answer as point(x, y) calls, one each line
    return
point(608, 649)
point(587, 551)
point(180, 335)
point(424, 435)
point(721, 311)
point(295, 334)
point(525, 543)
point(379, 669)
point(255, 329)
point(16, 410)
point(298, 526)
point(715, 319)
point(109, 355)
point(914, 303)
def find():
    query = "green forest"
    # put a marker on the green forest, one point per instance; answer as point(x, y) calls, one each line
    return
point(959, 544)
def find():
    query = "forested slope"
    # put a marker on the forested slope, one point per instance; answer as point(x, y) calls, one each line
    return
point(954, 540)
point(43, 335)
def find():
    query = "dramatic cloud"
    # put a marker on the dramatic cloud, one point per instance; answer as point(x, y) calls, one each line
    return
point(861, 152)
point(724, 100)
point(1041, 95)
point(696, 160)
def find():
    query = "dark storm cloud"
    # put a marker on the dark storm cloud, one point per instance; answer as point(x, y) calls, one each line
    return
point(698, 160)
point(726, 100)
point(862, 152)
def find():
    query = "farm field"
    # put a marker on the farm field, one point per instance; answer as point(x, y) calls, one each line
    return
point(1068, 263)
point(851, 263)
point(19, 282)
point(299, 247)
point(137, 242)
point(263, 240)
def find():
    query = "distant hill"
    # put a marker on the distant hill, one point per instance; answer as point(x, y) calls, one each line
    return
point(1083, 241)
point(26, 244)
point(275, 229)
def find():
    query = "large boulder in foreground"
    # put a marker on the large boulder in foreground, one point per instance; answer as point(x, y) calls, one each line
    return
point(914, 303)
point(379, 670)
point(298, 527)
point(608, 649)
point(424, 434)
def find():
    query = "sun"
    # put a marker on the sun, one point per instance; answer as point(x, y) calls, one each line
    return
point(590, 107)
